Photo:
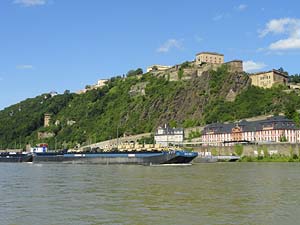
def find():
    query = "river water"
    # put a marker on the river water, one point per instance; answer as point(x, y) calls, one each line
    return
point(220, 193)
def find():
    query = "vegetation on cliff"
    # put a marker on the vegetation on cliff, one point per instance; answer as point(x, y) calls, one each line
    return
point(103, 113)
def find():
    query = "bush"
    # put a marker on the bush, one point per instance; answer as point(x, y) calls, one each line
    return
point(238, 149)
point(180, 74)
point(131, 73)
point(194, 134)
point(184, 65)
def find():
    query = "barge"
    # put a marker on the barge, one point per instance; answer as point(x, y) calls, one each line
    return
point(117, 157)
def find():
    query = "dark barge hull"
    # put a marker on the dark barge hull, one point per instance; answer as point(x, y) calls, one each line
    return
point(16, 158)
point(47, 157)
point(139, 158)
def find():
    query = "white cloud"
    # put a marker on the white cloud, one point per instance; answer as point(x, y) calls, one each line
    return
point(241, 7)
point(29, 3)
point(289, 43)
point(169, 44)
point(285, 26)
point(251, 66)
point(25, 67)
point(289, 26)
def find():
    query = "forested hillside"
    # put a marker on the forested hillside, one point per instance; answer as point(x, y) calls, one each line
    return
point(138, 104)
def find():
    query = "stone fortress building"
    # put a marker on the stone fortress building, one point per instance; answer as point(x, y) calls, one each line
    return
point(209, 57)
point(268, 79)
point(203, 62)
point(212, 60)
point(206, 61)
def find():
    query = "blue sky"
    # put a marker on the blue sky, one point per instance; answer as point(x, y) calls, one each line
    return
point(54, 45)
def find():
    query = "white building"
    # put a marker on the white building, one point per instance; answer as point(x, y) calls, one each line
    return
point(166, 136)
point(157, 67)
point(101, 83)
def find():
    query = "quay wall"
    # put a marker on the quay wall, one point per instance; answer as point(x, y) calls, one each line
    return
point(284, 149)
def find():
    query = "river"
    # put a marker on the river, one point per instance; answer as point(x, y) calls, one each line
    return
point(220, 193)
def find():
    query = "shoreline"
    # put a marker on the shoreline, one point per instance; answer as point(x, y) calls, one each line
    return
point(295, 158)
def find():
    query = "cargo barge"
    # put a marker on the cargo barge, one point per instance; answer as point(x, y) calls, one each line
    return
point(117, 157)
point(40, 154)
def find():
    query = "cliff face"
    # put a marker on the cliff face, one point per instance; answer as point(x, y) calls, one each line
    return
point(190, 101)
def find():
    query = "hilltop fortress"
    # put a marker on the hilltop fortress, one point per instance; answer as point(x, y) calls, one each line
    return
point(204, 61)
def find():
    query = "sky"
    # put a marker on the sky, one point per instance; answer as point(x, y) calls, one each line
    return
point(58, 45)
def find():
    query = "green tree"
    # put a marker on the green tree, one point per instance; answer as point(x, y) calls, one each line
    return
point(184, 65)
point(131, 73)
point(238, 149)
point(283, 71)
point(154, 68)
point(180, 73)
point(294, 78)
point(173, 123)
point(283, 139)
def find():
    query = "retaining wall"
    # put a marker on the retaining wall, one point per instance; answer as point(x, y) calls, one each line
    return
point(286, 149)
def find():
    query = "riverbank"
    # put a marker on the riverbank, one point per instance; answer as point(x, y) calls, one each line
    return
point(257, 152)
point(275, 158)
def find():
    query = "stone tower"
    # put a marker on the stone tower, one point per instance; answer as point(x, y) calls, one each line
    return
point(47, 119)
